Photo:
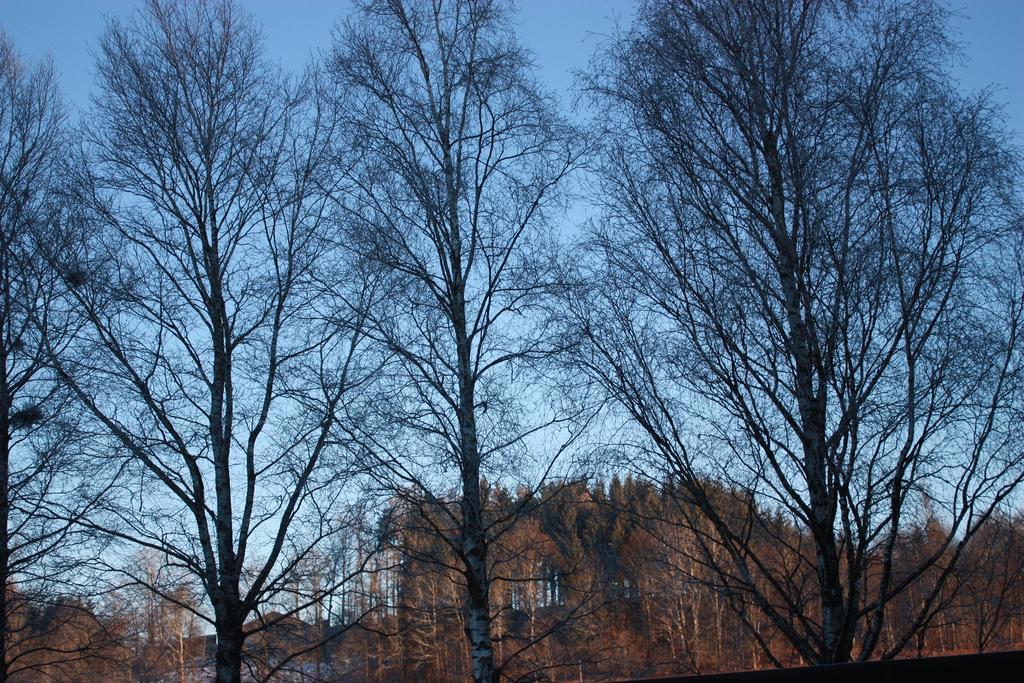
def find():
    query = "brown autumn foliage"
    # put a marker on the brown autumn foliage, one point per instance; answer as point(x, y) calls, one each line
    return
point(55, 638)
point(598, 583)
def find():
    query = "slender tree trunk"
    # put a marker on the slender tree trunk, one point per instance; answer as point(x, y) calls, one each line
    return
point(6, 409)
point(478, 625)
point(478, 622)
point(181, 652)
point(474, 538)
point(836, 642)
point(5, 453)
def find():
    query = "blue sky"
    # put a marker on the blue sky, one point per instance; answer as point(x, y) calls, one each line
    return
point(562, 33)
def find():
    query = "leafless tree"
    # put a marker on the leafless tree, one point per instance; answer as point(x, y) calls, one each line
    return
point(807, 287)
point(210, 354)
point(458, 160)
point(40, 491)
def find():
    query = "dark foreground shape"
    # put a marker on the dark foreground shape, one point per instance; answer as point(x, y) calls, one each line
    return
point(995, 666)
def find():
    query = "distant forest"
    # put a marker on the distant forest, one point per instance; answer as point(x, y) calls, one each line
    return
point(599, 582)
point(399, 369)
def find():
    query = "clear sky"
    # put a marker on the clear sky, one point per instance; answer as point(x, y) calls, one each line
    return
point(562, 34)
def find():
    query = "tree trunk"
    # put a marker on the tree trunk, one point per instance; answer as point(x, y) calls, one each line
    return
point(230, 639)
point(5, 559)
point(478, 625)
point(478, 622)
point(474, 533)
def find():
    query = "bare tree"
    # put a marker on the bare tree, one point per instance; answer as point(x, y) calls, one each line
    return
point(990, 574)
point(40, 490)
point(457, 160)
point(807, 287)
point(162, 632)
point(209, 354)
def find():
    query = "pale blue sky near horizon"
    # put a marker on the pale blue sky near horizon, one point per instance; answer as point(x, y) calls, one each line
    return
point(562, 34)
